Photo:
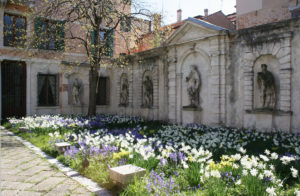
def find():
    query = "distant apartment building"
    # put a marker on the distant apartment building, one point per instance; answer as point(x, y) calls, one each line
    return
point(258, 12)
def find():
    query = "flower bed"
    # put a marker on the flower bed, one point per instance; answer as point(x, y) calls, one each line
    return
point(183, 160)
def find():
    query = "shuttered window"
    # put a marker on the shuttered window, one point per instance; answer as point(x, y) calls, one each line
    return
point(109, 42)
point(125, 25)
point(49, 34)
point(14, 30)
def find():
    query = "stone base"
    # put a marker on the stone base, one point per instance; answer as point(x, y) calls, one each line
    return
point(191, 108)
point(191, 116)
point(23, 129)
point(123, 105)
point(61, 146)
point(123, 175)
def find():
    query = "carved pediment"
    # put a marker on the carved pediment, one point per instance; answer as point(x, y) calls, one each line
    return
point(194, 29)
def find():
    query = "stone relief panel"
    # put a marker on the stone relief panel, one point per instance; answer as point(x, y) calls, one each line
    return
point(124, 90)
point(266, 83)
point(147, 90)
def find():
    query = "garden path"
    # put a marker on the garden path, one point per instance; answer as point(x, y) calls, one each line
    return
point(25, 173)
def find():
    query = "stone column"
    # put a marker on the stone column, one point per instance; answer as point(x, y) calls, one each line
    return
point(172, 90)
point(179, 97)
point(0, 90)
point(215, 86)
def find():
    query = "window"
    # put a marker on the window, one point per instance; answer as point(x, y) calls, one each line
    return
point(49, 34)
point(14, 30)
point(295, 13)
point(108, 42)
point(103, 91)
point(125, 25)
point(47, 90)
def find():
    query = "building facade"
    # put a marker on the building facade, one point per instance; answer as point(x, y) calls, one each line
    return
point(203, 74)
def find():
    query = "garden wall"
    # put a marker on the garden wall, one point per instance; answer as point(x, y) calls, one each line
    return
point(204, 74)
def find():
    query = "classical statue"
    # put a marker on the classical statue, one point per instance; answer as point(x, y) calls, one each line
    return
point(76, 88)
point(148, 92)
point(193, 86)
point(124, 92)
point(267, 87)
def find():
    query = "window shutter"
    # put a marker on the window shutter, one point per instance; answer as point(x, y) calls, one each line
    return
point(107, 91)
point(92, 41)
point(37, 30)
point(110, 44)
point(57, 93)
point(61, 36)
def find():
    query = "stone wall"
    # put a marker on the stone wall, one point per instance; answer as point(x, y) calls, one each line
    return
point(204, 74)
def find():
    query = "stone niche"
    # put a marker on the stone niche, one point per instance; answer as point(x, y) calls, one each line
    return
point(75, 92)
point(124, 90)
point(194, 82)
point(259, 113)
point(273, 67)
point(147, 90)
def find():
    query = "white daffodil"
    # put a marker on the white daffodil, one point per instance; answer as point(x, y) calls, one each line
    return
point(271, 191)
point(294, 172)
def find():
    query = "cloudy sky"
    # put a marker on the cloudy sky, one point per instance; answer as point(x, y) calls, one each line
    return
point(189, 7)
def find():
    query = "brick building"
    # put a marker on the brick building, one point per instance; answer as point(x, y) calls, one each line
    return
point(37, 75)
point(258, 12)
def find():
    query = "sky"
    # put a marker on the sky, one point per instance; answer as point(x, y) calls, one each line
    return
point(189, 8)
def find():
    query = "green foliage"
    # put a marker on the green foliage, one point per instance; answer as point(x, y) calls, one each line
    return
point(192, 174)
point(150, 164)
point(137, 188)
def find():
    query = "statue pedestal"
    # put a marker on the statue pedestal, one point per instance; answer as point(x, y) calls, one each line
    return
point(267, 119)
point(191, 114)
point(77, 109)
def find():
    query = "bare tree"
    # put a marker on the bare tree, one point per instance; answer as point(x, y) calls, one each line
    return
point(91, 25)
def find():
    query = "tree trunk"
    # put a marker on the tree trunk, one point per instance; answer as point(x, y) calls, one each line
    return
point(93, 74)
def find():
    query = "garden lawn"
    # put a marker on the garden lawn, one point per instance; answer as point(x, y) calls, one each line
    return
point(180, 160)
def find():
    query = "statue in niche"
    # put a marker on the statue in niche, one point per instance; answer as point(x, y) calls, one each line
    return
point(76, 89)
point(193, 87)
point(124, 95)
point(267, 87)
point(148, 92)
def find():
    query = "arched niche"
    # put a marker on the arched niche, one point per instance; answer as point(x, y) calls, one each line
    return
point(75, 89)
point(124, 90)
point(197, 62)
point(273, 67)
point(147, 90)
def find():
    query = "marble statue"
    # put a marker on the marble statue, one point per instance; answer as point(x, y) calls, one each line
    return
point(267, 87)
point(76, 88)
point(124, 95)
point(148, 92)
point(193, 86)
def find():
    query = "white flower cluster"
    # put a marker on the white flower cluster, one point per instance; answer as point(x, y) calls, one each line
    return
point(47, 121)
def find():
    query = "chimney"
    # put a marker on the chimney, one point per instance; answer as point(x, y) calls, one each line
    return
point(156, 22)
point(179, 15)
point(205, 12)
